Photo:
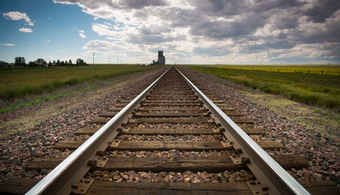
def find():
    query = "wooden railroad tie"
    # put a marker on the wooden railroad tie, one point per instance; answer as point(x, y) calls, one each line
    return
point(171, 120)
point(208, 164)
point(168, 145)
point(146, 131)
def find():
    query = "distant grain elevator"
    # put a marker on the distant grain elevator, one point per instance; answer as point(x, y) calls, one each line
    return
point(161, 59)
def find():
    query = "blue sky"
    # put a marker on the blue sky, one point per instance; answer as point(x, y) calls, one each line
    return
point(188, 31)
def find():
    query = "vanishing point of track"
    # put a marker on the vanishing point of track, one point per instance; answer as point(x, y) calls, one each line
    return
point(170, 101)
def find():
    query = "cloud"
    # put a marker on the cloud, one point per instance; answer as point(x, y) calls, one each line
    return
point(118, 4)
point(82, 35)
point(47, 41)
point(8, 44)
point(18, 16)
point(243, 31)
point(26, 30)
point(319, 10)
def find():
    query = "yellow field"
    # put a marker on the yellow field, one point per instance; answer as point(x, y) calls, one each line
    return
point(331, 70)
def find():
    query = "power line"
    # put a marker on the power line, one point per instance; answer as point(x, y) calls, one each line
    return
point(93, 57)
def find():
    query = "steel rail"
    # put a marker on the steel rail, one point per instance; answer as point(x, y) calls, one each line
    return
point(74, 167)
point(263, 166)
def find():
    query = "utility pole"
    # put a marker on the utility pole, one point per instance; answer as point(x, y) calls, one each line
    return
point(93, 58)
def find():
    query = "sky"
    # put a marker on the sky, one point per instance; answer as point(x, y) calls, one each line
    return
point(188, 31)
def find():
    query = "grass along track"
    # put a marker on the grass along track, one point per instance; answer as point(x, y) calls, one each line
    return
point(311, 89)
point(26, 81)
point(30, 86)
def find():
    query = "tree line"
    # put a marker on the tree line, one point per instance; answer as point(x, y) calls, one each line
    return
point(21, 61)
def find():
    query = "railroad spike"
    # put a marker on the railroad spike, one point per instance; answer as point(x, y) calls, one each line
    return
point(238, 151)
point(119, 129)
point(245, 160)
point(75, 186)
point(100, 153)
point(92, 163)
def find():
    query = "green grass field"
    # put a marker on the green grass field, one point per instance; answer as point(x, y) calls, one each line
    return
point(20, 82)
point(312, 89)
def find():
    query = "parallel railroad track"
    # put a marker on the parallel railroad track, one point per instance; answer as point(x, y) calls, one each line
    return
point(195, 135)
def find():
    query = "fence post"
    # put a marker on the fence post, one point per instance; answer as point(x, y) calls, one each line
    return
point(321, 72)
point(308, 71)
point(278, 70)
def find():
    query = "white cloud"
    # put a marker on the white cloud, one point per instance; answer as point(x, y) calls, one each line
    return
point(26, 30)
point(111, 31)
point(8, 44)
point(47, 41)
point(82, 35)
point(18, 16)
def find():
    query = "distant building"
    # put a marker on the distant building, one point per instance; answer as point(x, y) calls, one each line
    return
point(4, 64)
point(161, 59)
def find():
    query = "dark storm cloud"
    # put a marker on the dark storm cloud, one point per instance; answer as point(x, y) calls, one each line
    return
point(236, 7)
point(321, 33)
point(210, 51)
point(223, 30)
point(153, 34)
point(236, 18)
point(276, 44)
point(285, 18)
point(242, 26)
point(178, 17)
point(152, 39)
point(246, 18)
point(322, 9)
point(154, 30)
point(139, 4)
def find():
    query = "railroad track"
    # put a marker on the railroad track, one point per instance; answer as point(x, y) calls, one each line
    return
point(201, 149)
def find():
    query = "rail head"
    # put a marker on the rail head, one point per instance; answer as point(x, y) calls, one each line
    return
point(74, 167)
point(264, 167)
